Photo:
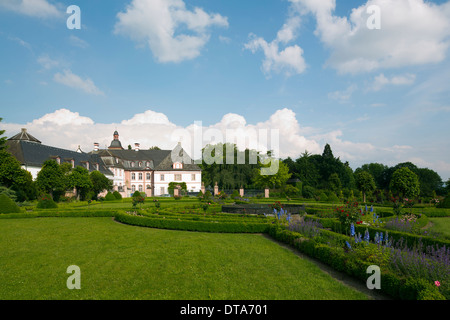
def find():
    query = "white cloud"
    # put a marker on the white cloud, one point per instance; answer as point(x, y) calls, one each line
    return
point(47, 63)
point(412, 32)
point(381, 81)
point(278, 57)
point(162, 24)
point(62, 117)
point(78, 42)
point(32, 8)
point(343, 96)
point(72, 80)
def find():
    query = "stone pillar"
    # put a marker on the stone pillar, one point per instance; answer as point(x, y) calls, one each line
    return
point(241, 192)
point(266, 192)
point(203, 188)
point(176, 191)
point(216, 189)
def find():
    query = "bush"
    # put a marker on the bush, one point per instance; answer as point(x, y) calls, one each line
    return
point(7, 205)
point(117, 195)
point(46, 202)
point(333, 198)
point(444, 203)
point(322, 196)
point(308, 192)
point(110, 197)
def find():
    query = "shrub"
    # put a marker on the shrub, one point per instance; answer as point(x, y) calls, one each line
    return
point(136, 194)
point(117, 195)
point(308, 192)
point(46, 202)
point(322, 197)
point(7, 205)
point(444, 203)
point(333, 198)
point(110, 197)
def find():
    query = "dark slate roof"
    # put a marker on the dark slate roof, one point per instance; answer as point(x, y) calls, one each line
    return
point(160, 160)
point(116, 144)
point(24, 136)
point(34, 154)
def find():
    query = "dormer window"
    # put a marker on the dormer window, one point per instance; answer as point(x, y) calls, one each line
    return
point(178, 165)
point(132, 164)
point(73, 163)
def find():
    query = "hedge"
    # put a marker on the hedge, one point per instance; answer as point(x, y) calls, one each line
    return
point(391, 284)
point(7, 205)
point(202, 226)
point(410, 239)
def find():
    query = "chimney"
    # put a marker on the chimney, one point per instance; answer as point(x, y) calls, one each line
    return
point(137, 147)
point(96, 146)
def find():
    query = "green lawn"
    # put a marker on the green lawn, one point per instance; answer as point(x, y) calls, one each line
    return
point(125, 262)
point(441, 226)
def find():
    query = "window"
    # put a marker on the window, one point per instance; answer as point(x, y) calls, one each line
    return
point(140, 188)
point(132, 164)
point(148, 187)
point(147, 164)
point(133, 188)
point(148, 176)
point(140, 164)
point(140, 175)
point(177, 165)
point(193, 177)
point(178, 177)
point(162, 190)
point(133, 176)
point(162, 177)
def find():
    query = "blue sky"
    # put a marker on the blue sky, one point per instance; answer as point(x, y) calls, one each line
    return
point(311, 69)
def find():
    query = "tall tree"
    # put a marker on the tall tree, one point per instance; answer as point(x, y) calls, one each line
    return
point(79, 179)
point(430, 182)
point(51, 178)
point(99, 182)
point(365, 183)
point(276, 180)
point(405, 182)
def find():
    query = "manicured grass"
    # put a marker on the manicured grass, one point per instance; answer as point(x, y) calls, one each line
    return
point(441, 226)
point(125, 262)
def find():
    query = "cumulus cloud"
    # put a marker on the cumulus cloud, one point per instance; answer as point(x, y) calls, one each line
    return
point(173, 32)
point(381, 81)
point(278, 56)
point(32, 8)
point(69, 79)
point(413, 32)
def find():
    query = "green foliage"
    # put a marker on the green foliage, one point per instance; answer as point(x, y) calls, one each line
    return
point(80, 179)
point(7, 205)
point(110, 197)
point(365, 183)
point(117, 195)
point(51, 178)
point(8, 192)
point(173, 185)
point(275, 178)
point(216, 168)
point(444, 203)
point(405, 182)
point(2, 139)
point(136, 194)
point(308, 192)
point(46, 202)
point(99, 183)
point(348, 213)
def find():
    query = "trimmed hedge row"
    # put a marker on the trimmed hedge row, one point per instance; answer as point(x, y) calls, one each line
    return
point(186, 225)
point(391, 284)
point(410, 239)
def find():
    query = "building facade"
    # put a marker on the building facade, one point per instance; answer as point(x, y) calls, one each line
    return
point(149, 171)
